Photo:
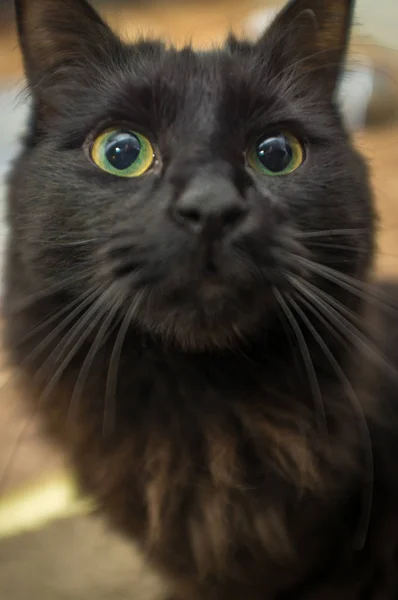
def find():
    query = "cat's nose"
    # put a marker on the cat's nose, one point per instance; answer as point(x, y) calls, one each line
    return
point(214, 206)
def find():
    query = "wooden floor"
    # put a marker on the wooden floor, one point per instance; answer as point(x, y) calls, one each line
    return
point(23, 454)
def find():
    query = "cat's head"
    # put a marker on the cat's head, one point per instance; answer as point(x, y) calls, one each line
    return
point(190, 191)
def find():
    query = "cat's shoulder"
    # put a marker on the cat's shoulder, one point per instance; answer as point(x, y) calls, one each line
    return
point(383, 318)
point(379, 377)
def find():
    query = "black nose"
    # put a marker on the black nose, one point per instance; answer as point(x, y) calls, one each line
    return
point(211, 205)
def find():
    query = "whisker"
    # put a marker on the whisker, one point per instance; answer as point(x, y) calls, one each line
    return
point(82, 330)
point(103, 334)
point(361, 289)
point(54, 317)
point(336, 316)
point(363, 528)
point(70, 318)
point(309, 365)
point(111, 380)
point(48, 291)
point(330, 300)
point(330, 232)
point(297, 357)
point(336, 246)
point(70, 244)
point(348, 248)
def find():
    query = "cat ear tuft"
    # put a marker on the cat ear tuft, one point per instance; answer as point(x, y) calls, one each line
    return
point(55, 34)
point(312, 37)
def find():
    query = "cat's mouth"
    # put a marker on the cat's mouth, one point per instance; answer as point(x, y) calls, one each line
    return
point(212, 321)
point(210, 295)
point(202, 312)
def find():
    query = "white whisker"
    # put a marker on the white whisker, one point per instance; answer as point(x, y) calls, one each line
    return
point(312, 377)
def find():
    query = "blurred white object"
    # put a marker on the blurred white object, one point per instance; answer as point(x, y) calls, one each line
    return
point(355, 93)
point(259, 20)
point(13, 114)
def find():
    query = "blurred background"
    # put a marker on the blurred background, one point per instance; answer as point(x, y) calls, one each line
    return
point(48, 565)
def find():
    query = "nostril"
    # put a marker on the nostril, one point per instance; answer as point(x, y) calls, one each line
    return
point(214, 218)
point(189, 214)
point(232, 216)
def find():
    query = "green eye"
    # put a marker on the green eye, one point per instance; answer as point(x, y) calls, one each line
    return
point(278, 154)
point(122, 152)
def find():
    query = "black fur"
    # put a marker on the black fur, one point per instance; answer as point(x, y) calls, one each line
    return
point(175, 363)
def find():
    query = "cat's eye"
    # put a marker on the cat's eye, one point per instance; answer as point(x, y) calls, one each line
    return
point(278, 154)
point(122, 152)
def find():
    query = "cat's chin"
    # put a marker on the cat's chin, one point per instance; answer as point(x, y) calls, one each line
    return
point(191, 336)
point(212, 322)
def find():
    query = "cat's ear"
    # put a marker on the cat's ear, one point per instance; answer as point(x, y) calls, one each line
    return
point(57, 34)
point(310, 38)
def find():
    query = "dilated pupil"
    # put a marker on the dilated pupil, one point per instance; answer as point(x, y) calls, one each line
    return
point(275, 153)
point(122, 150)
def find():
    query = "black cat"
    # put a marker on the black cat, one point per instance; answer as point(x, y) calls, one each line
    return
point(190, 307)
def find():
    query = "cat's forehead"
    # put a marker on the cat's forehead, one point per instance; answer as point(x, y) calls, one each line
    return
point(156, 59)
point(170, 84)
point(187, 92)
point(183, 72)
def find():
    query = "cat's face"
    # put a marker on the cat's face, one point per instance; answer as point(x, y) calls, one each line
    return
point(186, 189)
